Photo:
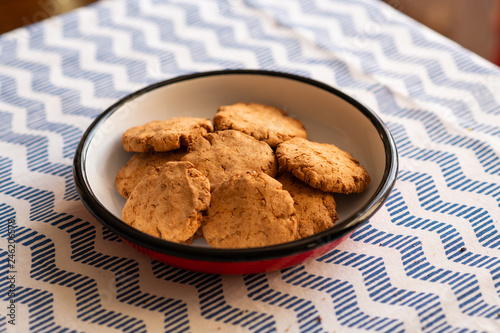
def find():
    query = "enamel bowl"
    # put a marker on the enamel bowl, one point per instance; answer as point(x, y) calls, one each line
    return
point(329, 116)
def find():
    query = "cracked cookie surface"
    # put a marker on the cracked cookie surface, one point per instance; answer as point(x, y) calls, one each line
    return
point(223, 154)
point(323, 166)
point(169, 204)
point(316, 210)
point(165, 135)
point(263, 122)
point(250, 210)
point(140, 165)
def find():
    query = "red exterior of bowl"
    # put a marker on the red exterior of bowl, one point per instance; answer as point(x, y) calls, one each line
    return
point(246, 267)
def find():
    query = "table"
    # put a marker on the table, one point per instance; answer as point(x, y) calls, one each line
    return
point(427, 261)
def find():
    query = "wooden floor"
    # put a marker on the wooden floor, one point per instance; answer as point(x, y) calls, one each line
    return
point(18, 13)
point(474, 24)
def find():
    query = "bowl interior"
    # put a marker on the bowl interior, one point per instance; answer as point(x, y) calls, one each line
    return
point(328, 118)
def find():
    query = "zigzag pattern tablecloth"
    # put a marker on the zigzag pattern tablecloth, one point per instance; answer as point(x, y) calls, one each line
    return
point(428, 261)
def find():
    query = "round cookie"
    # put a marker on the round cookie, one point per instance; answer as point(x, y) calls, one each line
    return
point(250, 210)
point(263, 122)
point(165, 135)
point(223, 154)
point(140, 165)
point(316, 210)
point(169, 204)
point(323, 166)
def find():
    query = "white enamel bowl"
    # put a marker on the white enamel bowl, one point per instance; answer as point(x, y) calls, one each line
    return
point(329, 116)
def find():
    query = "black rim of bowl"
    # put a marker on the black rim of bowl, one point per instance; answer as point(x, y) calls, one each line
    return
point(236, 255)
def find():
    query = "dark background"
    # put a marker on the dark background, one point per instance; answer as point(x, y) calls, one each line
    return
point(17, 13)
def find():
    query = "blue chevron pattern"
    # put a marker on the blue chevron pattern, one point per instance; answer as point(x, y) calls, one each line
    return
point(429, 261)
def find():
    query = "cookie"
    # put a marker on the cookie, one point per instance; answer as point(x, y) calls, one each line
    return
point(165, 135)
point(250, 210)
point(140, 165)
point(323, 166)
point(316, 210)
point(265, 123)
point(169, 204)
point(223, 154)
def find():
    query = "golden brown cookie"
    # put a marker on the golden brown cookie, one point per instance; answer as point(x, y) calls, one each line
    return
point(316, 210)
point(250, 210)
point(140, 165)
point(323, 166)
point(165, 135)
point(169, 204)
point(223, 154)
point(265, 123)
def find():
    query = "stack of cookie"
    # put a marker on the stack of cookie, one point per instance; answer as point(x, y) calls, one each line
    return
point(254, 181)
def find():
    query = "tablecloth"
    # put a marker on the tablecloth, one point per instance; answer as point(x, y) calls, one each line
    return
point(427, 261)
